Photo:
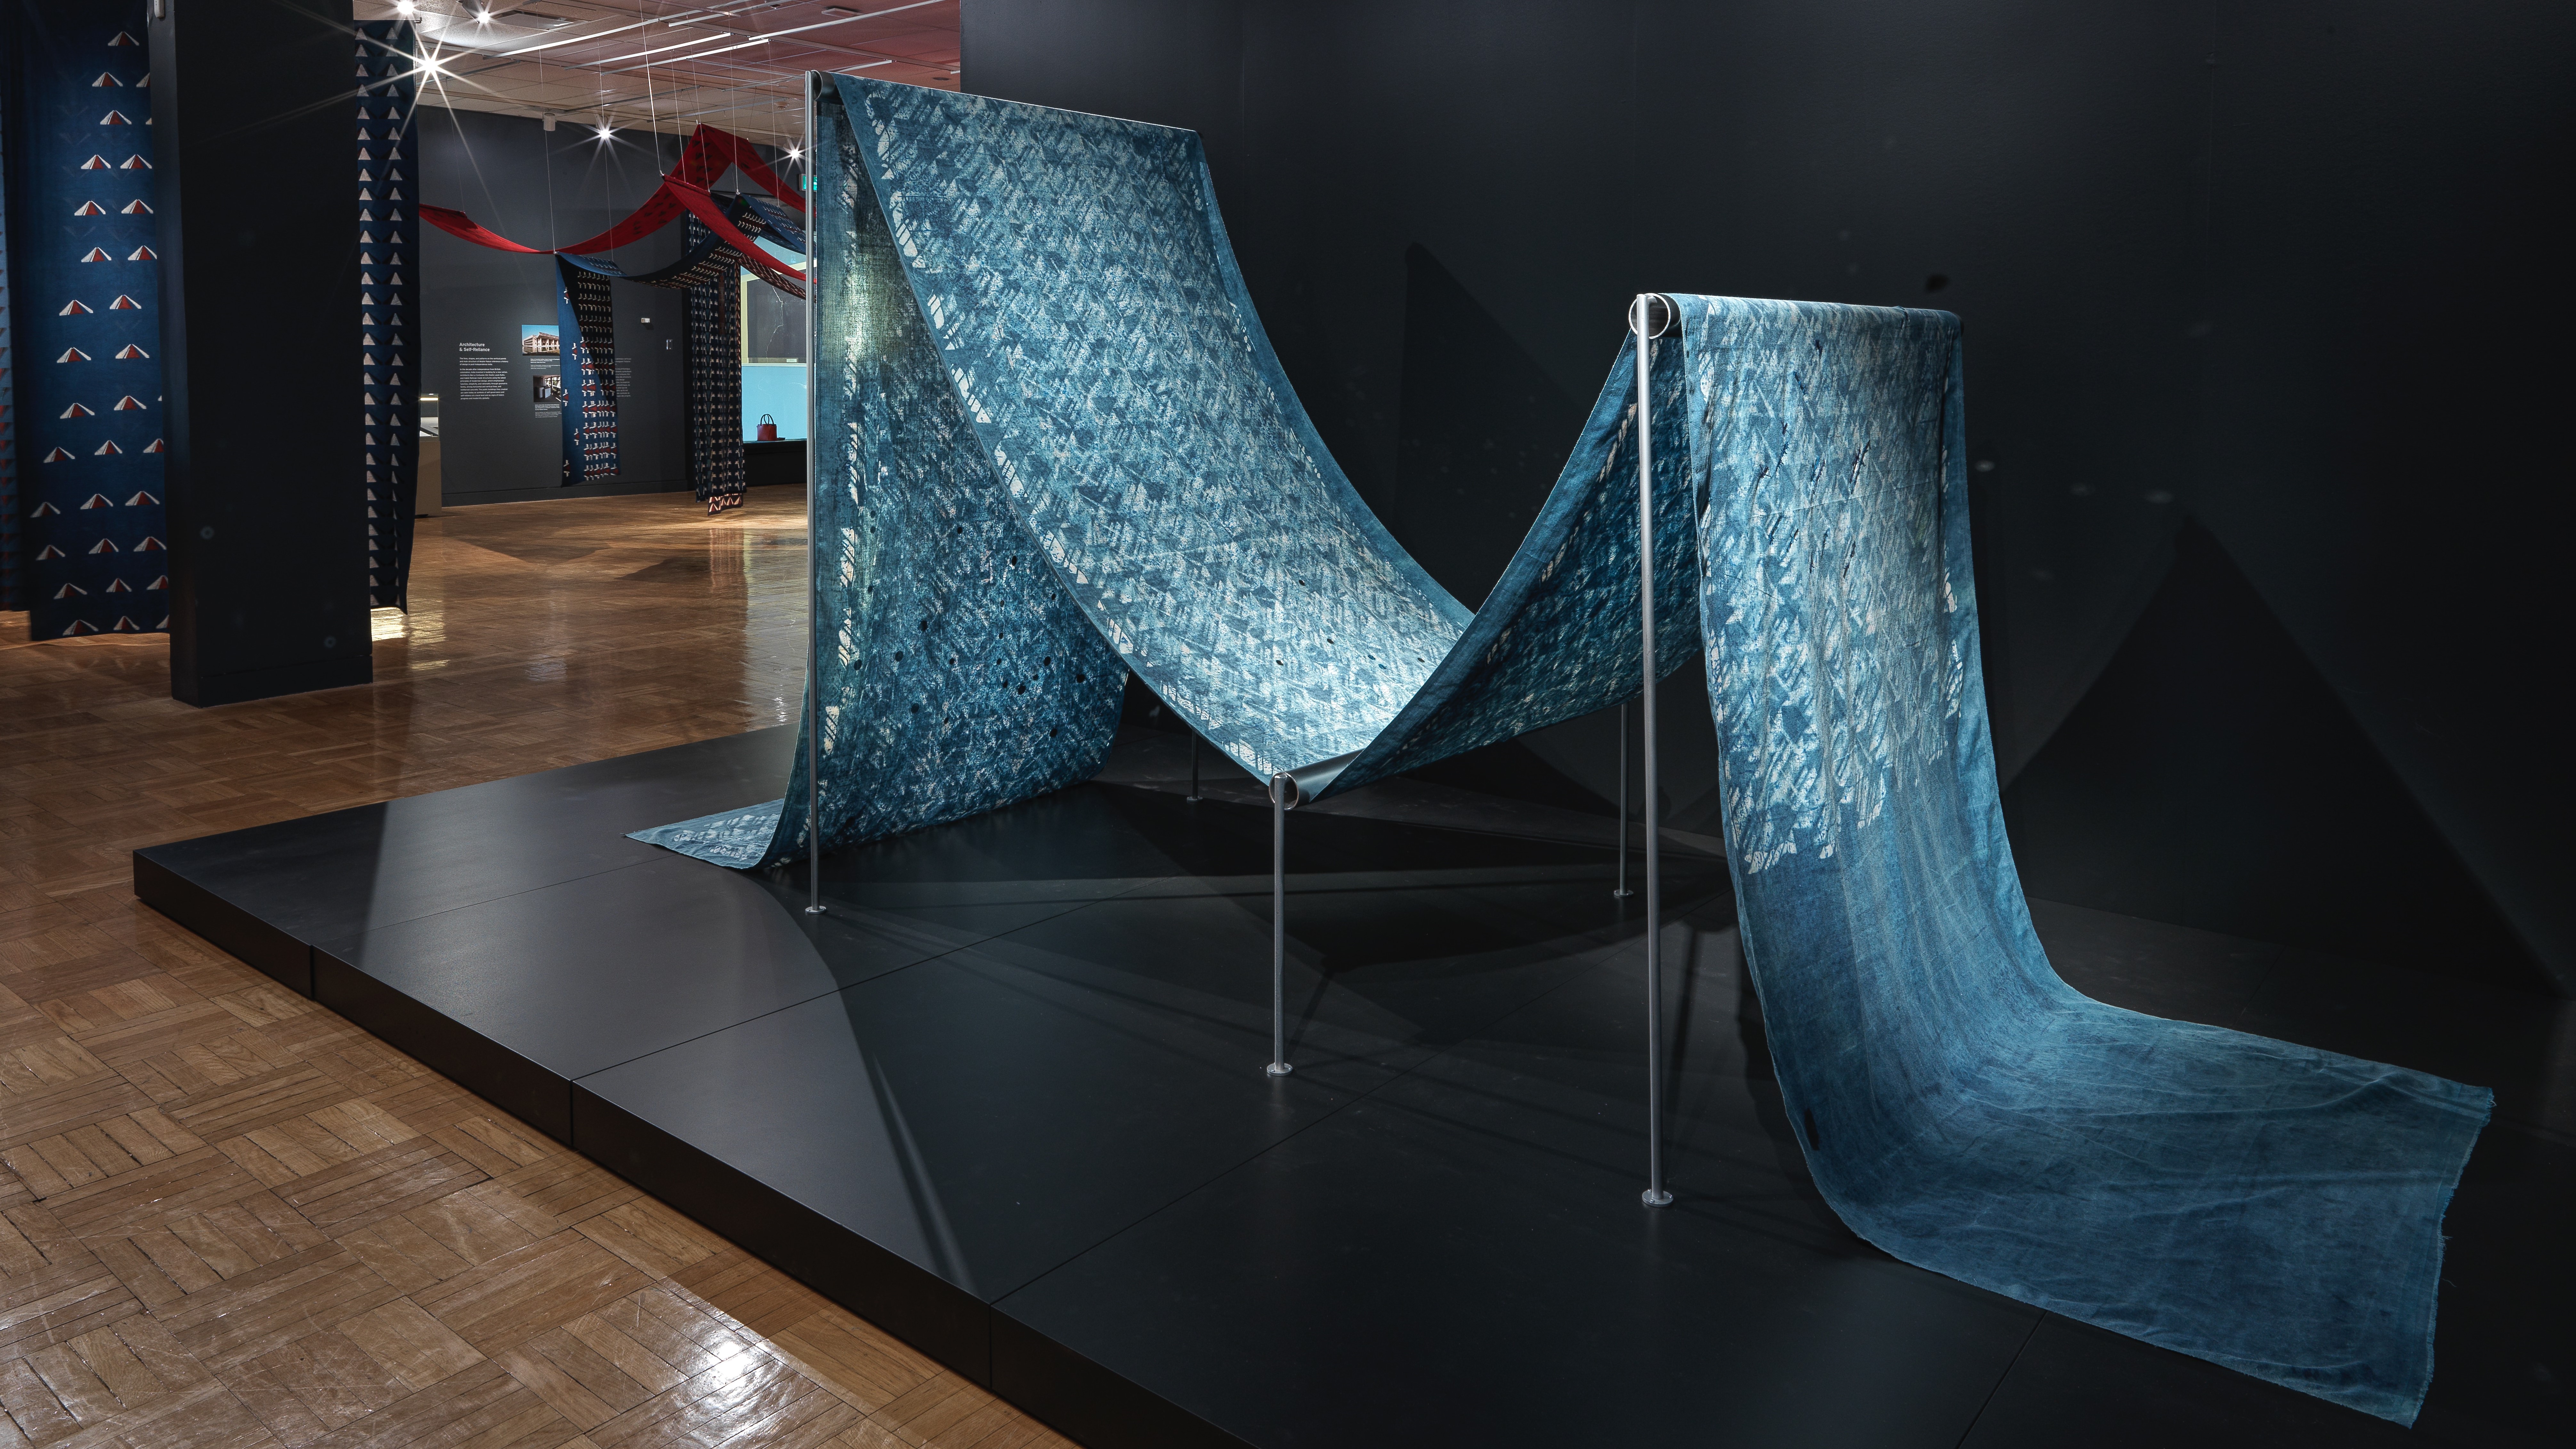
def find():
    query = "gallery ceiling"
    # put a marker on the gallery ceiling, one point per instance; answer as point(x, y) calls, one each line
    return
point(669, 66)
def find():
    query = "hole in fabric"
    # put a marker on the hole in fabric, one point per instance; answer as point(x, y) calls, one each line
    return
point(925, 626)
point(916, 709)
point(1815, 1139)
point(1050, 734)
point(1077, 679)
point(898, 656)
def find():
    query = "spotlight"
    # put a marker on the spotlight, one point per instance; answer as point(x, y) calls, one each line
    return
point(406, 8)
point(483, 17)
point(606, 131)
point(795, 153)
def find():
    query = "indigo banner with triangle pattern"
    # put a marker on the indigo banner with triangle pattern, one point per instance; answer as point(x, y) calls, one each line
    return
point(388, 345)
point(8, 387)
point(85, 294)
point(1054, 447)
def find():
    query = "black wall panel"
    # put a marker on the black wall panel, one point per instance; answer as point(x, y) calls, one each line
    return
point(2256, 267)
point(256, 208)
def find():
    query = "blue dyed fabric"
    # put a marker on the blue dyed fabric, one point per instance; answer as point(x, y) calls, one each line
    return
point(1072, 380)
point(2269, 1207)
point(1055, 447)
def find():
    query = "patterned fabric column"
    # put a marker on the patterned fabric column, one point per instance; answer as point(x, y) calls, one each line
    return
point(588, 328)
point(388, 360)
point(715, 382)
point(8, 391)
point(84, 289)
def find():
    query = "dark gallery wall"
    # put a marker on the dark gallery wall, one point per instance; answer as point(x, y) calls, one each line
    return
point(539, 187)
point(2265, 514)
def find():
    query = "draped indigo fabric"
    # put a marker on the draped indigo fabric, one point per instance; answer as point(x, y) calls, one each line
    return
point(1055, 441)
point(1187, 509)
point(2266, 1206)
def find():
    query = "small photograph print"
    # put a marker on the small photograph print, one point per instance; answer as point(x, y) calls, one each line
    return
point(545, 341)
point(549, 388)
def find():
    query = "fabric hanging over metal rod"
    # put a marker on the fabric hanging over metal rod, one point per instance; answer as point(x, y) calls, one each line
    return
point(1054, 447)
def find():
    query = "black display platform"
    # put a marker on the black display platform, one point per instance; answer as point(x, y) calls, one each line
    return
point(1006, 1100)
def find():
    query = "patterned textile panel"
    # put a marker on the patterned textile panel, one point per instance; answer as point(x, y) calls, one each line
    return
point(586, 323)
point(715, 379)
point(2265, 1206)
point(958, 673)
point(1191, 567)
point(388, 349)
point(8, 389)
point(86, 296)
point(1077, 278)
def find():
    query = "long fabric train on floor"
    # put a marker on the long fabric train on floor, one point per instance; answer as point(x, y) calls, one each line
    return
point(1056, 447)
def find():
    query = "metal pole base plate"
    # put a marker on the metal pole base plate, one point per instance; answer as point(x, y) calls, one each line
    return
point(1279, 1069)
point(1655, 1197)
point(1623, 894)
point(815, 910)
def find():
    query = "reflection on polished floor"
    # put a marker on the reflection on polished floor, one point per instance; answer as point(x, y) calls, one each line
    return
point(227, 1216)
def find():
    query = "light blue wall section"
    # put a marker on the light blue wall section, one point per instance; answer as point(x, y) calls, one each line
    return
point(776, 388)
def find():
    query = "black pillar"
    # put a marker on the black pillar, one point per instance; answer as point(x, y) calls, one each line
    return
point(256, 184)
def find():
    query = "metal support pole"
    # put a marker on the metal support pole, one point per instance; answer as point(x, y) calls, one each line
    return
point(1193, 797)
point(1623, 892)
point(1642, 318)
point(813, 545)
point(1281, 787)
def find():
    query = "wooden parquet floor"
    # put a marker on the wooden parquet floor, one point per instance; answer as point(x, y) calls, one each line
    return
point(230, 1218)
